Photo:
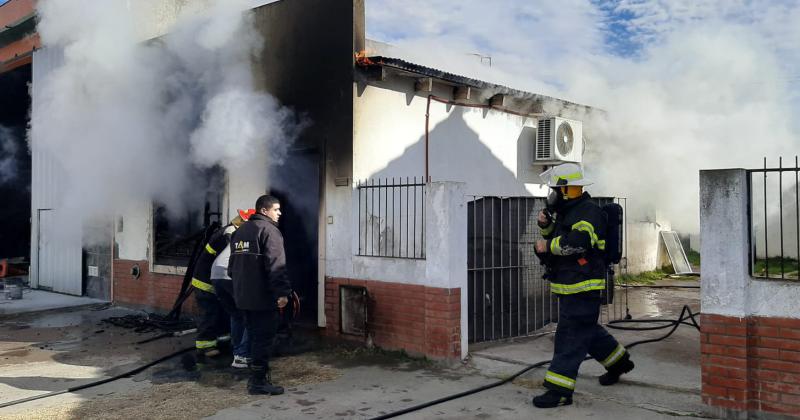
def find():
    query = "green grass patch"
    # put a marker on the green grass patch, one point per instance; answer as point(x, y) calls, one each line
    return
point(774, 265)
point(647, 277)
point(694, 258)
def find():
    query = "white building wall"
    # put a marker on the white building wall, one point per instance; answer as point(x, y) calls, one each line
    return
point(727, 288)
point(646, 250)
point(489, 150)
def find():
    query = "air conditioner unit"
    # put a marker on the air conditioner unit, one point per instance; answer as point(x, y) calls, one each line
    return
point(558, 140)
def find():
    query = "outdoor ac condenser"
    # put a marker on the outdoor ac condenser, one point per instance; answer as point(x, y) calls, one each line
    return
point(558, 140)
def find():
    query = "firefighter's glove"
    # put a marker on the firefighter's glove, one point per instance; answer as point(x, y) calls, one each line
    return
point(541, 246)
point(282, 301)
point(544, 219)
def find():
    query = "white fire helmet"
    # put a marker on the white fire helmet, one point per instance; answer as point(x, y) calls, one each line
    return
point(566, 174)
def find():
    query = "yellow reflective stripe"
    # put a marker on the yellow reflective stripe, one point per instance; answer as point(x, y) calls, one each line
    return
point(573, 176)
point(555, 246)
point(548, 230)
point(205, 344)
point(203, 286)
point(601, 245)
point(210, 250)
point(559, 380)
point(614, 356)
point(587, 227)
point(584, 286)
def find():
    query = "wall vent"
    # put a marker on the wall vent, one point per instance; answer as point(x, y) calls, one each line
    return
point(353, 310)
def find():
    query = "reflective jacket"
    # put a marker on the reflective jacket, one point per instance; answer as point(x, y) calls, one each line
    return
point(201, 277)
point(575, 242)
point(258, 265)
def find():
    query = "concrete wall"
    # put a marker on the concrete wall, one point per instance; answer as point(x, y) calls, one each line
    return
point(728, 287)
point(750, 327)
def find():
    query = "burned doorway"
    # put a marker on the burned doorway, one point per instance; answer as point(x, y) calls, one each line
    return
point(296, 183)
point(15, 164)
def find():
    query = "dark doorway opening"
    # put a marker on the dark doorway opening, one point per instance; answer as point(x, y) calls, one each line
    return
point(296, 183)
point(15, 164)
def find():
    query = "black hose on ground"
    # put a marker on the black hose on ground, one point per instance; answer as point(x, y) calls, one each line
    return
point(100, 382)
point(673, 323)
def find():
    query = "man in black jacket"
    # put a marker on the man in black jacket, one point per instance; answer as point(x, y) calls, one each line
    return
point(260, 286)
point(573, 248)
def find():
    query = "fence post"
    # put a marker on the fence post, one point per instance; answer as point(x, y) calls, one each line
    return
point(724, 221)
point(446, 243)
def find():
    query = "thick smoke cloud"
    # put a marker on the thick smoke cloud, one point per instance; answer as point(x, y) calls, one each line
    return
point(684, 85)
point(8, 153)
point(130, 119)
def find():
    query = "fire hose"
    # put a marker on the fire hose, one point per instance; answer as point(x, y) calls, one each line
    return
point(613, 324)
point(686, 314)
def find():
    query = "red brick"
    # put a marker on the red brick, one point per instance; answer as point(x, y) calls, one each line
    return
point(765, 353)
point(780, 388)
point(713, 328)
point(766, 396)
point(790, 333)
point(764, 331)
point(725, 382)
point(737, 394)
point(779, 343)
point(719, 391)
point(792, 400)
point(779, 322)
point(736, 330)
point(779, 408)
point(732, 362)
point(790, 356)
point(728, 340)
point(778, 365)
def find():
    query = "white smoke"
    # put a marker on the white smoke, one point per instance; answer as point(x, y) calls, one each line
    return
point(133, 120)
point(708, 87)
point(8, 153)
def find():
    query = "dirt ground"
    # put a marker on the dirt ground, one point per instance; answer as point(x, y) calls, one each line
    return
point(55, 350)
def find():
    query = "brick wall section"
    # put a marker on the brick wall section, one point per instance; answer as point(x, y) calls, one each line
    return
point(423, 321)
point(151, 291)
point(751, 364)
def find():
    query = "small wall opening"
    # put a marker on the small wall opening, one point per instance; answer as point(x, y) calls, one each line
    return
point(353, 310)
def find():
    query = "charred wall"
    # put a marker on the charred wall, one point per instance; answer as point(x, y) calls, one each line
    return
point(15, 164)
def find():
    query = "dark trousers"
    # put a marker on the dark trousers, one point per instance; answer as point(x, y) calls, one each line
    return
point(576, 335)
point(261, 327)
point(224, 289)
point(212, 322)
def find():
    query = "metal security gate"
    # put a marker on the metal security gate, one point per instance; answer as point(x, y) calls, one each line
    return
point(507, 296)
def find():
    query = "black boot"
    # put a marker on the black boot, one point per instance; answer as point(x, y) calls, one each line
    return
point(551, 399)
point(618, 369)
point(260, 382)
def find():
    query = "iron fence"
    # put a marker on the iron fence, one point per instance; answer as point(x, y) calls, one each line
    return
point(507, 296)
point(774, 225)
point(391, 217)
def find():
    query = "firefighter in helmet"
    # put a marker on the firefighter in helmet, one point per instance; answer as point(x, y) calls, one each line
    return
point(213, 325)
point(574, 231)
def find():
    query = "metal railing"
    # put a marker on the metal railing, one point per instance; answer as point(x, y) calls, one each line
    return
point(391, 217)
point(774, 225)
point(507, 296)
